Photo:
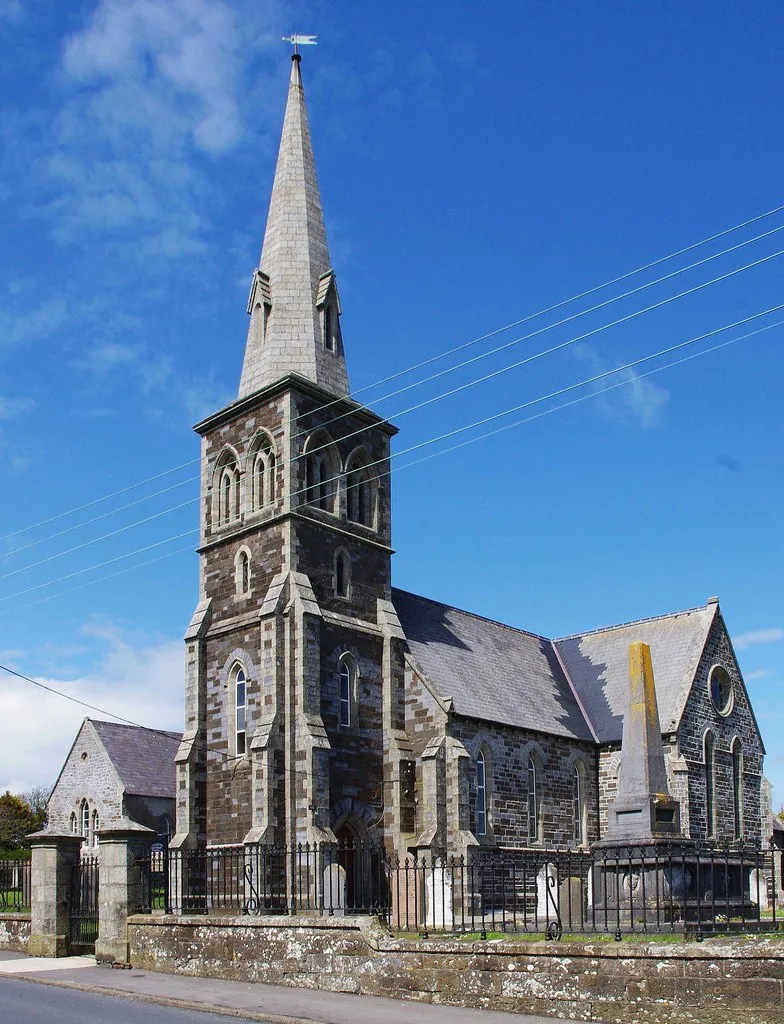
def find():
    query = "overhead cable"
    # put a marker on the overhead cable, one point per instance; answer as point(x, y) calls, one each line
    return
point(426, 362)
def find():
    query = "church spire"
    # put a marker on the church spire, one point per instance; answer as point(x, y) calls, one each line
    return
point(294, 304)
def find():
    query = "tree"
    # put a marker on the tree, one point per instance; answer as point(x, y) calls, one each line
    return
point(17, 819)
point(37, 799)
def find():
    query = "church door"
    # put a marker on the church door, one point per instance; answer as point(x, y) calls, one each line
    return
point(348, 853)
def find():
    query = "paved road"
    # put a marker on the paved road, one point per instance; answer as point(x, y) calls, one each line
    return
point(63, 990)
point(43, 1004)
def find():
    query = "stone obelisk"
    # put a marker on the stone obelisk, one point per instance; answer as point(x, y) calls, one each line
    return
point(643, 808)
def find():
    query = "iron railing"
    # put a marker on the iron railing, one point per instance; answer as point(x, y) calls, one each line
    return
point(84, 905)
point(15, 886)
point(648, 888)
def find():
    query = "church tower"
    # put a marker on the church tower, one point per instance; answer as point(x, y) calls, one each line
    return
point(294, 663)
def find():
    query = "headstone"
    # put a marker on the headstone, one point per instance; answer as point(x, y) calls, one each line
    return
point(546, 892)
point(335, 889)
point(643, 808)
point(438, 897)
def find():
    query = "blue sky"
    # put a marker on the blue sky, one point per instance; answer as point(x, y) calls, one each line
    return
point(473, 172)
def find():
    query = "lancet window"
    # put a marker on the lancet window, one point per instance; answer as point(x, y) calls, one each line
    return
point(710, 810)
point(361, 488)
point(263, 465)
point(481, 794)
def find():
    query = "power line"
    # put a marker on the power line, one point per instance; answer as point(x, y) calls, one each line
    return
point(97, 540)
point(68, 696)
point(98, 501)
point(495, 416)
point(591, 394)
point(431, 401)
point(555, 348)
point(562, 391)
point(205, 747)
point(100, 565)
point(426, 362)
point(98, 519)
point(550, 327)
point(101, 579)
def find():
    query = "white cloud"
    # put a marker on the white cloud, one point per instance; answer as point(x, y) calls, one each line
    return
point(26, 323)
point(642, 398)
point(143, 683)
point(11, 407)
point(188, 52)
point(157, 87)
point(761, 673)
point(757, 636)
point(635, 396)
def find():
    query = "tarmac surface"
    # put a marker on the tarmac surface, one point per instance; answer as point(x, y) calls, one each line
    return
point(240, 1000)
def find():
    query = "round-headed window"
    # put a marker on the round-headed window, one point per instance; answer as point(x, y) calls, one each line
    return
point(721, 690)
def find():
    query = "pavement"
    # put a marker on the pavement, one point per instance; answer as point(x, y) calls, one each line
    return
point(270, 1003)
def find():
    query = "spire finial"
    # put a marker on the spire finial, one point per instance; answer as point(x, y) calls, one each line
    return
point(297, 41)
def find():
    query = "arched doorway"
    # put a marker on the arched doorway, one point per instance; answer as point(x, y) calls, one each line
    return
point(349, 853)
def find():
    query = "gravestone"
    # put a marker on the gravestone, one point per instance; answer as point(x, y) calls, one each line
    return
point(335, 889)
point(438, 897)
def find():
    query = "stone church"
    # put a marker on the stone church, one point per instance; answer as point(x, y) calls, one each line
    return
point(323, 704)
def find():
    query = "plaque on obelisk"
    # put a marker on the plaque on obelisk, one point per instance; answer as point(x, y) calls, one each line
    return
point(643, 808)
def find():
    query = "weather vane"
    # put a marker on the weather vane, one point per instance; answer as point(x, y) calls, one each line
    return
point(297, 41)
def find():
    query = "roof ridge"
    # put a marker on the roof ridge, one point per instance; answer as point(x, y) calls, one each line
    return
point(475, 615)
point(631, 622)
point(126, 725)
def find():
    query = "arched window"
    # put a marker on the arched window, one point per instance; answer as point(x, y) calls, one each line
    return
point(342, 574)
point(347, 690)
point(481, 795)
point(737, 787)
point(239, 687)
point(533, 802)
point(322, 470)
point(226, 498)
point(578, 805)
point(85, 816)
point(230, 495)
point(74, 824)
point(262, 463)
point(710, 810)
point(242, 573)
point(361, 489)
point(321, 482)
point(259, 482)
point(96, 826)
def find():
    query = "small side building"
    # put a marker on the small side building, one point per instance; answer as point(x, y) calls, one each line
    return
point(113, 774)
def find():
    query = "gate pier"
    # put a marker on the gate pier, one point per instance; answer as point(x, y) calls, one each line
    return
point(122, 850)
point(55, 858)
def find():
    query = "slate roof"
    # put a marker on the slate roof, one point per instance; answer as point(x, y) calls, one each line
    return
point(490, 671)
point(598, 666)
point(143, 758)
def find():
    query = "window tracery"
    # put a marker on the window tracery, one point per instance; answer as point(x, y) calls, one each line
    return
point(481, 794)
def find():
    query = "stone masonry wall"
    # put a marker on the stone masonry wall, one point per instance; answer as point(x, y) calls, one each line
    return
point(86, 775)
point(356, 755)
point(699, 716)
point(507, 751)
point(715, 982)
point(14, 931)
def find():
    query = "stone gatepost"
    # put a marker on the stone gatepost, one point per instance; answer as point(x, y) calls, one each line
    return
point(54, 859)
point(119, 887)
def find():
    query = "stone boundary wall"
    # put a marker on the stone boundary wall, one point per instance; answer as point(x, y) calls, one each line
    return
point(14, 931)
point(714, 982)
